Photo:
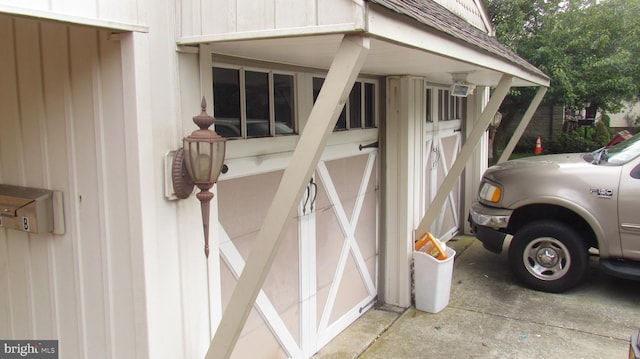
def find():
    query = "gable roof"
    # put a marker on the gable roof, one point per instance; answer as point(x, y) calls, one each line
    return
point(436, 16)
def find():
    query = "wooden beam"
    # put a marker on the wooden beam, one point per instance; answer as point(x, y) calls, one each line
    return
point(467, 150)
point(533, 106)
point(334, 93)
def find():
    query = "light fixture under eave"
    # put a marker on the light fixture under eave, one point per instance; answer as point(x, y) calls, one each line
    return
point(462, 89)
point(199, 163)
point(460, 86)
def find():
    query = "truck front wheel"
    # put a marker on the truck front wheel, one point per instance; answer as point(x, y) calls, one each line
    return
point(548, 256)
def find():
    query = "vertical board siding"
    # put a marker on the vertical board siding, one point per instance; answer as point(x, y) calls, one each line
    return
point(28, 253)
point(217, 17)
point(122, 11)
point(75, 8)
point(83, 52)
point(31, 4)
point(466, 9)
point(197, 304)
point(30, 101)
point(8, 150)
point(336, 12)
point(61, 111)
point(57, 107)
point(301, 13)
point(126, 10)
point(10, 147)
point(255, 15)
point(117, 243)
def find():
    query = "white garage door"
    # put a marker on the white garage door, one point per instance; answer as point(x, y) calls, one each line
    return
point(443, 135)
point(325, 274)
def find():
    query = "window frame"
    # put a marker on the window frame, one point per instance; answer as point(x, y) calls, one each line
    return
point(271, 90)
point(363, 105)
point(448, 108)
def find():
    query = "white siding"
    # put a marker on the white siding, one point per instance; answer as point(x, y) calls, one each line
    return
point(220, 17)
point(119, 14)
point(61, 114)
point(470, 10)
point(627, 117)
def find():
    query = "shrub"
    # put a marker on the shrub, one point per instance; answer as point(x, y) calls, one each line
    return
point(602, 134)
point(574, 141)
point(526, 144)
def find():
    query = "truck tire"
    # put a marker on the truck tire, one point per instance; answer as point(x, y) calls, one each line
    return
point(548, 256)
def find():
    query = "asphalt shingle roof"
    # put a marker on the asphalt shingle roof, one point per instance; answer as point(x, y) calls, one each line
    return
point(436, 16)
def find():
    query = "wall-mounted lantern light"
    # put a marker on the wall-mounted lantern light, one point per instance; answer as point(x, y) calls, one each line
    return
point(497, 119)
point(199, 162)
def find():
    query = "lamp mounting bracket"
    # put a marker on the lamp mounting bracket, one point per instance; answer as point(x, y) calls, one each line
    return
point(182, 182)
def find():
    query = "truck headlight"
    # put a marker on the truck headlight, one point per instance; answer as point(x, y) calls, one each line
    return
point(490, 193)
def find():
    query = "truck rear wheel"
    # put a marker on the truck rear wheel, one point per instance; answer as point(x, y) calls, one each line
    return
point(548, 256)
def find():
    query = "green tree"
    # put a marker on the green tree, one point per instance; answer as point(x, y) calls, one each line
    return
point(588, 48)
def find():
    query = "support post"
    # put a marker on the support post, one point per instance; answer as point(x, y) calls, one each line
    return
point(342, 74)
point(533, 106)
point(467, 150)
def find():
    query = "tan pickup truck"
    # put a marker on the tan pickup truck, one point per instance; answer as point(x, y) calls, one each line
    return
point(559, 210)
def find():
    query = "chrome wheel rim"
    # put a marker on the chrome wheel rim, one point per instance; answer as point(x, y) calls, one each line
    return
point(546, 258)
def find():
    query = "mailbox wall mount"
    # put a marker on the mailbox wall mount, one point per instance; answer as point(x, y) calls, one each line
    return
point(32, 210)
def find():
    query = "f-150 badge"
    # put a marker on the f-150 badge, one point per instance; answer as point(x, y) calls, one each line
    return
point(602, 192)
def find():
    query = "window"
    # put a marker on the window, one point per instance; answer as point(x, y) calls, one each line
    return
point(449, 107)
point(456, 108)
point(253, 103)
point(429, 105)
point(359, 111)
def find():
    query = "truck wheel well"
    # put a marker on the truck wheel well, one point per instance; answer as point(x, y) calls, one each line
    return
point(530, 213)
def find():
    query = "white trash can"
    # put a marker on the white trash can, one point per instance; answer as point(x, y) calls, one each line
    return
point(432, 280)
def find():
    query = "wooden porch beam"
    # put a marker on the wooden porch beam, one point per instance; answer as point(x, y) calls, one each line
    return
point(465, 154)
point(340, 79)
point(528, 115)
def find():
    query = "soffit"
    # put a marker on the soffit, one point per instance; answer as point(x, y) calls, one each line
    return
point(384, 58)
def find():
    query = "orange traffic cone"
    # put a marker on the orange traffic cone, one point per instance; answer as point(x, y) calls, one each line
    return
point(538, 149)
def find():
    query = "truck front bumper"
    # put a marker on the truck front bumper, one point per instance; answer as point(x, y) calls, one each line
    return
point(488, 225)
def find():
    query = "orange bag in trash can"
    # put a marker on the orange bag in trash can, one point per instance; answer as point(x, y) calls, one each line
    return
point(428, 244)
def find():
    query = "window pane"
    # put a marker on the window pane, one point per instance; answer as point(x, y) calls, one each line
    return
point(459, 104)
point(369, 106)
point(317, 85)
point(428, 106)
point(448, 105)
point(283, 104)
point(257, 103)
point(355, 106)
point(342, 121)
point(226, 102)
point(341, 124)
point(443, 102)
point(452, 109)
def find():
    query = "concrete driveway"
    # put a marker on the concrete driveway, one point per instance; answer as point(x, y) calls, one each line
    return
point(490, 315)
